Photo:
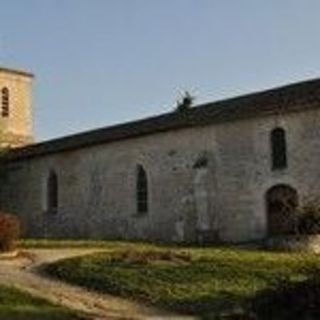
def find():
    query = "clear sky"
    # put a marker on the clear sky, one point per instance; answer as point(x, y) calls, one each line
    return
point(100, 62)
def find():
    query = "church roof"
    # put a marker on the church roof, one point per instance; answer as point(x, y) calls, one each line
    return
point(290, 98)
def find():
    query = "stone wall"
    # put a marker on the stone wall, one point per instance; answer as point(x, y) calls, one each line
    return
point(205, 184)
point(16, 130)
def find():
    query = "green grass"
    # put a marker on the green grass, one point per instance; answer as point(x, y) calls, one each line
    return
point(197, 281)
point(18, 305)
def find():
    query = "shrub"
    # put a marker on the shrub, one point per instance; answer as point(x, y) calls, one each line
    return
point(288, 300)
point(185, 103)
point(9, 231)
point(308, 219)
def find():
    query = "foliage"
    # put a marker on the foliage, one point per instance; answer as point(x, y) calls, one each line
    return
point(9, 231)
point(186, 102)
point(17, 305)
point(204, 282)
point(308, 218)
point(288, 300)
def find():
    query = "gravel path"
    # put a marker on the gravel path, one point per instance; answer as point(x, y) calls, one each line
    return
point(21, 272)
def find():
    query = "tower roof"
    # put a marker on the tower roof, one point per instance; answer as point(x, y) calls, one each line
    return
point(17, 72)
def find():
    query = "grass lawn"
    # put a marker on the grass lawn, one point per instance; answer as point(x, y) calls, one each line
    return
point(200, 281)
point(18, 305)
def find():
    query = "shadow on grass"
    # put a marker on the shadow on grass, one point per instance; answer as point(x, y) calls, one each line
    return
point(299, 300)
point(16, 304)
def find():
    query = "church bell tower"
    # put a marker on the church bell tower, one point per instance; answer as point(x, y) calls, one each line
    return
point(15, 108)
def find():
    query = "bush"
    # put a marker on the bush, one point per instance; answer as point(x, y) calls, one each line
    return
point(308, 220)
point(288, 300)
point(9, 231)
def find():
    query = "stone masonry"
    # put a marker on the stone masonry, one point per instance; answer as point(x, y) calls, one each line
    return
point(16, 130)
point(207, 179)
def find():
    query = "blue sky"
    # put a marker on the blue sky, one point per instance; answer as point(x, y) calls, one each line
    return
point(100, 62)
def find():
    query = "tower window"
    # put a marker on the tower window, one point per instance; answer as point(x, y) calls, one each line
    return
point(5, 102)
point(52, 192)
point(142, 190)
point(278, 149)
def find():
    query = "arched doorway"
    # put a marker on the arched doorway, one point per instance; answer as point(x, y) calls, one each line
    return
point(281, 200)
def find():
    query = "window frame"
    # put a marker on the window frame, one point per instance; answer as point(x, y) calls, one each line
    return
point(52, 196)
point(5, 102)
point(142, 191)
point(279, 154)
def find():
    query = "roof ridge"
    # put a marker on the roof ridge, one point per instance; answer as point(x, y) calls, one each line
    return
point(262, 103)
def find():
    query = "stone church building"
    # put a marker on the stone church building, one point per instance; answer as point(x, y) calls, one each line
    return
point(225, 171)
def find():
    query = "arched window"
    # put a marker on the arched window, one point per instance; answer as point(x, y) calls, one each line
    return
point(278, 149)
point(5, 102)
point(142, 190)
point(52, 192)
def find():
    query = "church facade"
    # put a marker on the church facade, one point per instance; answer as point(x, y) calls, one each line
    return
point(227, 171)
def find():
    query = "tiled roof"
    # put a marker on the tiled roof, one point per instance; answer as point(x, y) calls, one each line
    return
point(291, 98)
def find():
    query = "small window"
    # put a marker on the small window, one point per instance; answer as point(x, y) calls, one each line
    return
point(52, 193)
point(142, 190)
point(278, 149)
point(5, 102)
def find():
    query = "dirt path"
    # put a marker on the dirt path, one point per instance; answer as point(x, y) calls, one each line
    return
point(21, 272)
